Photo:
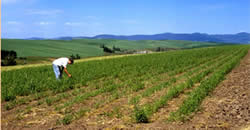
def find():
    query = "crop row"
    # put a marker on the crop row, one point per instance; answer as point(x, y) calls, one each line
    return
point(28, 81)
point(50, 100)
point(133, 82)
point(150, 108)
point(196, 97)
point(148, 92)
point(138, 77)
point(74, 115)
point(70, 102)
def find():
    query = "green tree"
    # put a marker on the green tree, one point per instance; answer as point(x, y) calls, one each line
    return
point(78, 56)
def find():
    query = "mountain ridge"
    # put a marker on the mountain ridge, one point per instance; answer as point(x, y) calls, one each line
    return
point(243, 37)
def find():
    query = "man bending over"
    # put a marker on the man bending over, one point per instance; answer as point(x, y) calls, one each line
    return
point(61, 64)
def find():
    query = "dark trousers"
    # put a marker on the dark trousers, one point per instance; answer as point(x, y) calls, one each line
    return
point(61, 71)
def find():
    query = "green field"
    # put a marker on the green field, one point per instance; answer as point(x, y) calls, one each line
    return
point(127, 90)
point(88, 47)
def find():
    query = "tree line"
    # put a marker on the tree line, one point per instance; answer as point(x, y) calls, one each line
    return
point(110, 50)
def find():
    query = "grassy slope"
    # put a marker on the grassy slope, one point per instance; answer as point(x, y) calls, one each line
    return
point(50, 48)
point(87, 47)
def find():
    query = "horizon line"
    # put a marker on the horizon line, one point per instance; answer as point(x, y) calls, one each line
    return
point(130, 35)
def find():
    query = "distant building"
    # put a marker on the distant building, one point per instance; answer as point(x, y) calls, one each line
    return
point(143, 52)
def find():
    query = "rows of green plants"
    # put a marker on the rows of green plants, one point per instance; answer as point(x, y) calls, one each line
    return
point(75, 115)
point(134, 80)
point(117, 77)
point(142, 113)
point(130, 85)
point(86, 95)
point(173, 79)
point(125, 91)
point(28, 81)
point(194, 100)
point(50, 99)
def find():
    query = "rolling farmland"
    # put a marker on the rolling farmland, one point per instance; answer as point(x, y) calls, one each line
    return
point(123, 92)
point(89, 47)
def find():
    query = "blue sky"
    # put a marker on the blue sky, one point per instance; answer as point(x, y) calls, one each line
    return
point(54, 18)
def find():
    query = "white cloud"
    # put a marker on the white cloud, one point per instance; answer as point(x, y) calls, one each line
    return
point(75, 23)
point(44, 12)
point(83, 24)
point(13, 22)
point(130, 21)
point(15, 1)
point(210, 7)
point(242, 30)
point(92, 17)
point(96, 24)
point(45, 23)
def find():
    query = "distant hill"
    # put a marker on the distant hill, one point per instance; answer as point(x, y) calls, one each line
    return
point(90, 47)
point(35, 38)
point(243, 37)
point(225, 38)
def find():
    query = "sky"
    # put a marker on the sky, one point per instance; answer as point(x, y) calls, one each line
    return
point(56, 18)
